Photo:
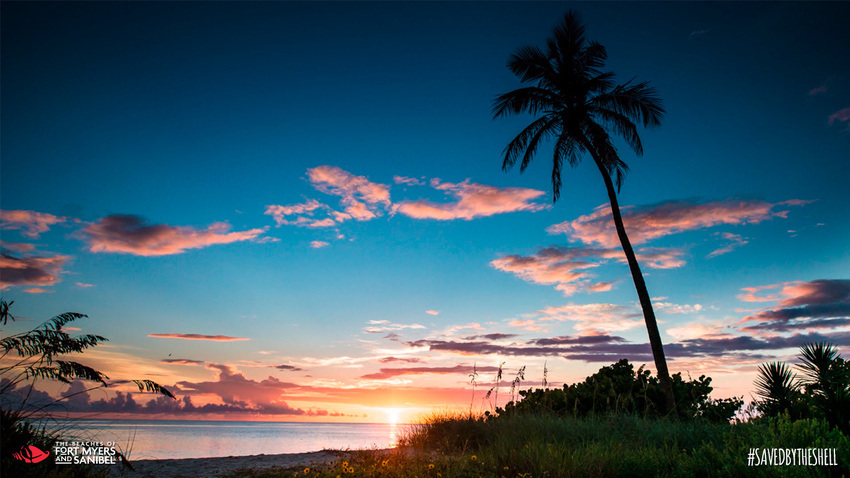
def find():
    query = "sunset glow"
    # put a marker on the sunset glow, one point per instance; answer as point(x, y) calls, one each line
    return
point(287, 211)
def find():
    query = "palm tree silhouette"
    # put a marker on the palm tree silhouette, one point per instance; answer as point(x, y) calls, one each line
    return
point(579, 105)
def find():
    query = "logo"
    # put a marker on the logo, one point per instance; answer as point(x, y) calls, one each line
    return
point(31, 454)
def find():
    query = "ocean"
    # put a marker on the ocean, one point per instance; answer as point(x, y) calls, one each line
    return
point(160, 439)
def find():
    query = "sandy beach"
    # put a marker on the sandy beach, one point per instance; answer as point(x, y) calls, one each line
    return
point(210, 467)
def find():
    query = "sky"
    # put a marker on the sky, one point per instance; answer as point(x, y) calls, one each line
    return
point(296, 211)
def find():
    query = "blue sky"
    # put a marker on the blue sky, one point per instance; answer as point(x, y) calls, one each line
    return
point(323, 182)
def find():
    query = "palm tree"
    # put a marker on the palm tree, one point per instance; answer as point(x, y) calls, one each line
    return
point(579, 105)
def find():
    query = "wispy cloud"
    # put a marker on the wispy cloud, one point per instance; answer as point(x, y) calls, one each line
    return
point(593, 317)
point(697, 33)
point(842, 116)
point(193, 363)
point(386, 373)
point(818, 91)
point(384, 326)
point(319, 244)
point(735, 241)
point(432, 312)
point(31, 271)
point(126, 234)
point(301, 211)
point(472, 201)
point(408, 181)
point(31, 223)
point(645, 223)
point(362, 199)
point(83, 285)
point(214, 338)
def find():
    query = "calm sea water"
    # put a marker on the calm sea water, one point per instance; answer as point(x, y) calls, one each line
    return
point(200, 439)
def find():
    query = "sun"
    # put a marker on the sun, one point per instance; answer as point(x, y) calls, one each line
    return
point(392, 415)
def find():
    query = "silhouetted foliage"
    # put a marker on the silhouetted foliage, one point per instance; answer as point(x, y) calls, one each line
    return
point(823, 391)
point(619, 389)
point(28, 357)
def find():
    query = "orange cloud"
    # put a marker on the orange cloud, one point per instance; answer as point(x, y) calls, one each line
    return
point(279, 213)
point(214, 338)
point(386, 373)
point(30, 271)
point(361, 198)
point(130, 235)
point(473, 200)
point(30, 223)
point(644, 223)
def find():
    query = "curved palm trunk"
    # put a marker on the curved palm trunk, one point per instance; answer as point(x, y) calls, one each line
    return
point(643, 294)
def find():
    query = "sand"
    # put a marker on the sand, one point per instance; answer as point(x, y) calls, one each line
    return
point(210, 467)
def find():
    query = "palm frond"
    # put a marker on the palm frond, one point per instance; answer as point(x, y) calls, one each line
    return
point(151, 386)
point(531, 100)
point(529, 63)
point(520, 143)
point(622, 126)
point(639, 102)
point(776, 383)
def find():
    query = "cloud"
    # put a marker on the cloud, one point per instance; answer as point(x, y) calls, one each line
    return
point(593, 317)
point(16, 247)
point(567, 267)
point(288, 368)
point(818, 91)
point(494, 336)
point(386, 373)
point(319, 244)
point(432, 312)
point(30, 223)
point(384, 326)
point(408, 181)
point(818, 304)
point(472, 201)
point(842, 115)
point(38, 290)
point(279, 213)
point(83, 285)
point(193, 363)
point(735, 241)
point(31, 271)
point(697, 33)
point(644, 223)
point(362, 199)
point(130, 235)
point(399, 359)
point(214, 338)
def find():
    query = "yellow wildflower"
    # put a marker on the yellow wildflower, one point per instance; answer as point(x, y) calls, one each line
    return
point(430, 466)
point(473, 457)
point(306, 470)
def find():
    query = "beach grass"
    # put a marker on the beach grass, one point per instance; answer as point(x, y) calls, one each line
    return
point(446, 446)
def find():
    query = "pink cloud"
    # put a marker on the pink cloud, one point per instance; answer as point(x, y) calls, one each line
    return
point(361, 198)
point(593, 318)
point(432, 312)
point(473, 200)
point(817, 91)
point(319, 244)
point(214, 338)
point(842, 115)
point(386, 373)
point(407, 181)
point(19, 247)
point(191, 363)
point(84, 285)
point(812, 305)
point(524, 324)
point(38, 290)
point(279, 212)
point(735, 241)
point(30, 271)
point(130, 235)
point(567, 267)
point(30, 223)
point(644, 223)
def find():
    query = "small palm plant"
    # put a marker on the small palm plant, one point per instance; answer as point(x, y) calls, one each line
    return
point(779, 389)
point(827, 382)
point(822, 392)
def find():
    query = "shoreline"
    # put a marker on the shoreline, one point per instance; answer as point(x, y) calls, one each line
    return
point(210, 467)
